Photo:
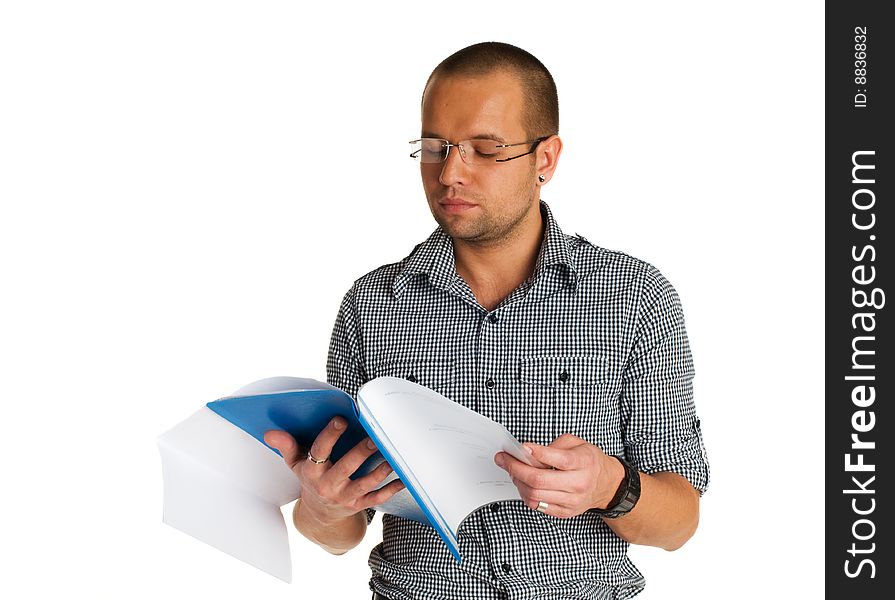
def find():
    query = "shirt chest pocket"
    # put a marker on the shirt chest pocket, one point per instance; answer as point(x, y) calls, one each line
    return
point(567, 394)
point(437, 374)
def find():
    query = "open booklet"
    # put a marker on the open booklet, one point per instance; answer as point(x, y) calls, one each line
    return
point(225, 486)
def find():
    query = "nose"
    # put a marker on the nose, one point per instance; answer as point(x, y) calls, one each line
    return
point(453, 169)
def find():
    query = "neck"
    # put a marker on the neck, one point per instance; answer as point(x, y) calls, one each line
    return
point(493, 270)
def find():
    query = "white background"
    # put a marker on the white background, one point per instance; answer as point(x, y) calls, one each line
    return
point(188, 188)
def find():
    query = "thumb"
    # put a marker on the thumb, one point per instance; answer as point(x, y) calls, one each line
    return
point(533, 452)
point(285, 444)
point(567, 441)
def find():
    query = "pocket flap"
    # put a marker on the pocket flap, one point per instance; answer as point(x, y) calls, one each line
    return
point(560, 371)
point(429, 373)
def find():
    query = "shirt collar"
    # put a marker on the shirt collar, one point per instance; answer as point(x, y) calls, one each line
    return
point(555, 253)
point(434, 259)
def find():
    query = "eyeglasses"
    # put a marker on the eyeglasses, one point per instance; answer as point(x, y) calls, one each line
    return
point(473, 152)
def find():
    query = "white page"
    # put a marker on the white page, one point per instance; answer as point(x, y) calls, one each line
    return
point(224, 488)
point(279, 384)
point(448, 448)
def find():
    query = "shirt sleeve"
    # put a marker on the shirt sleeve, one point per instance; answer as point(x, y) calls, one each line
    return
point(343, 364)
point(663, 432)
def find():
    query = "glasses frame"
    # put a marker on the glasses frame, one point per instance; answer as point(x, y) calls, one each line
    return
point(448, 145)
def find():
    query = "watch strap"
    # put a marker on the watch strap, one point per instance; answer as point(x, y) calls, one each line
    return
point(626, 496)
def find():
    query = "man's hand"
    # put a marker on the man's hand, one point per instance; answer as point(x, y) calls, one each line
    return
point(330, 499)
point(576, 476)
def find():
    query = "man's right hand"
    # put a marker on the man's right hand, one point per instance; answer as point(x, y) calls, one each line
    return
point(330, 499)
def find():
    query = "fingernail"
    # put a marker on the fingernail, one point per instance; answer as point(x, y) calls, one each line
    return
point(371, 445)
point(338, 424)
point(499, 460)
point(529, 450)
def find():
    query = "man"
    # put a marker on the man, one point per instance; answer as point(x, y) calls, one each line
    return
point(579, 351)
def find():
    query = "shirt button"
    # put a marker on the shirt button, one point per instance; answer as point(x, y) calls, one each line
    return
point(492, 318)
point(411, 378)
point(564, 376)
point(495, 507)
point(490, 383)
point(506, 568)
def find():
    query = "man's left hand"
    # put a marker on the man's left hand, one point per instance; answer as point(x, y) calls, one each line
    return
point(576, 476)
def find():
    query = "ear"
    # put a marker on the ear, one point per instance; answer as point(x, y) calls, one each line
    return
point(548, 153)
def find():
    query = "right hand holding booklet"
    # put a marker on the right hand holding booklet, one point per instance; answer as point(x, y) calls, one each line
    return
point(442, 451)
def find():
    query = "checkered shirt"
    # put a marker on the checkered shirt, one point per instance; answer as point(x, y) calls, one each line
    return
point(593, 344)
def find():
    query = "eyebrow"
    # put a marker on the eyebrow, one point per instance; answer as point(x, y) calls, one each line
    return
point(480, 136)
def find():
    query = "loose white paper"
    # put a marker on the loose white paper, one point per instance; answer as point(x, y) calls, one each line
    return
point(224, 488)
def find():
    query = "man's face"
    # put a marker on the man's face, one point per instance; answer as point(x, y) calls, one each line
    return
point(479, 204)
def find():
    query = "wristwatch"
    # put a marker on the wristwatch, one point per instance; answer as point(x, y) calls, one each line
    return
point(626, 496)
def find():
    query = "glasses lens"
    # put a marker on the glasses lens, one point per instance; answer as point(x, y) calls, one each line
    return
point(428, 150)
point(482, 152)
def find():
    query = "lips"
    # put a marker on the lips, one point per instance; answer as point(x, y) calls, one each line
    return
point(455, 203)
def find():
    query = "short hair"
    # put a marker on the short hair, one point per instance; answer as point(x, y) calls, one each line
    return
point(541, 102)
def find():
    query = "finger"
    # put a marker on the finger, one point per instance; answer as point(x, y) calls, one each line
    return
point(383, 494)
point(286, 445)
point(531, 459)
point(544, 479)
point(532, 496)
point(554, 510)
point(352, 460)
point(370, 481)
point(558, 457)
point(327, 438)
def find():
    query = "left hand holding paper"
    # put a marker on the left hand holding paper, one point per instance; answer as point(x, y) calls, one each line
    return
point(573, 476)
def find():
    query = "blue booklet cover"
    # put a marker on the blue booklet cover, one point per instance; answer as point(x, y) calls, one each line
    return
point(299, 406)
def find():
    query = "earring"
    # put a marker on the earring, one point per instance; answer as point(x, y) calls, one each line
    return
point(541, 178)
